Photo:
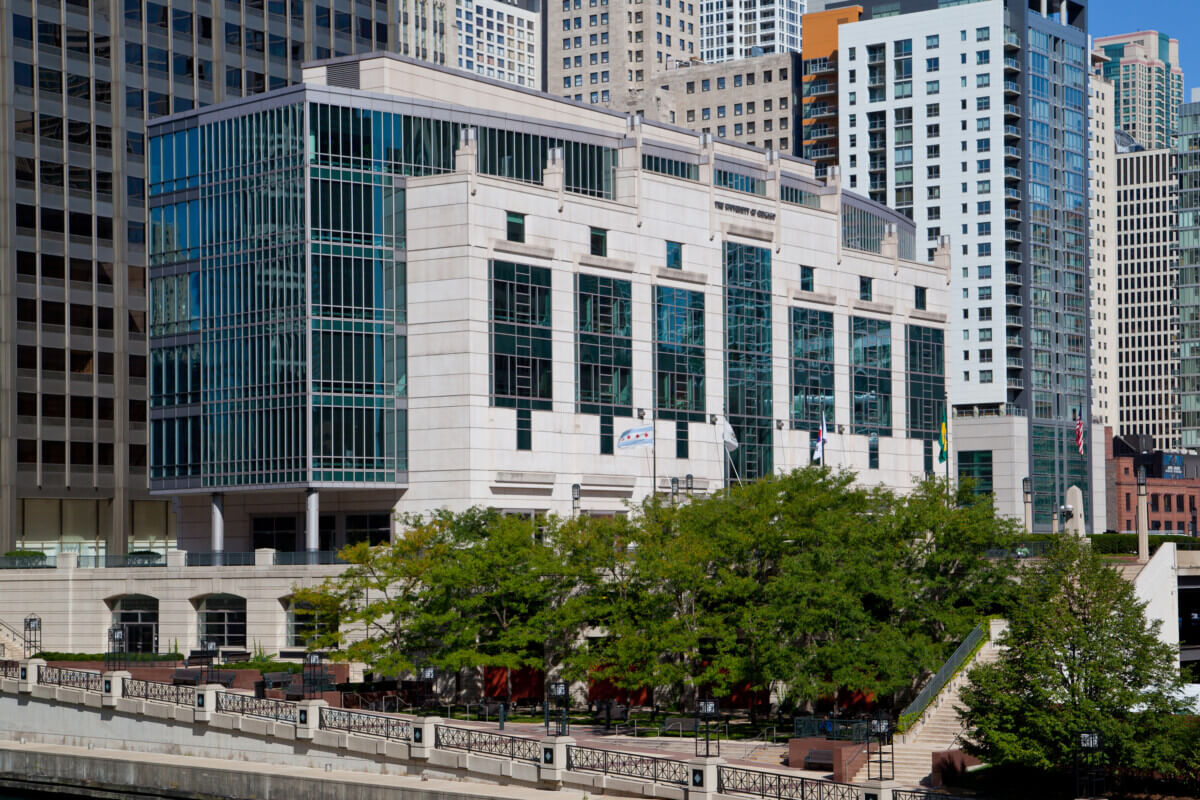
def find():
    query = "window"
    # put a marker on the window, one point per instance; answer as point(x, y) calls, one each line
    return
point(931, 42)
point(516, 227)
point(873, 452)
point(806, 279)
point(599, 242)
point(982, 34)
point(864, 288)
point(674, 255)
point(933, 87)
point(222, 620)
point(919, 297)
point(983, 80)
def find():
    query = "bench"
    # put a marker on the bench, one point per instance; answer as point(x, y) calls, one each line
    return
point(186, 677)
point(681, 724)
point(277, 680)
point(200, 658)
point(234, 656)
point(819, 759)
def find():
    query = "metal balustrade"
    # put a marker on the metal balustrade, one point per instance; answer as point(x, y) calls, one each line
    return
point(735, 780)
point(339, 719)
point(10, 669)
point(265, 707)
point(72, 678)
point(496, 744)
point(631, 765)
point(156, 690)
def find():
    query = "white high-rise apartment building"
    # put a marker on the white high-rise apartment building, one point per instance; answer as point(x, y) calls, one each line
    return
point(731, 29)
point(500, 39)
point(972, 120)
point(1102, 254)
point(1144, 68)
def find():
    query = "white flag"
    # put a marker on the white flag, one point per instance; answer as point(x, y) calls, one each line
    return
point(636, 437)
point(819, 450)
point(728, 437)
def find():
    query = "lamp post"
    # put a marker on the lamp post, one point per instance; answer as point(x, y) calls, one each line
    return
point(1089, 771)
point(1143, 522)
point(1027, 489)
point(674, 490)
point(575, 493)
point(707, 711)
point(562, 698)
point(687, 483)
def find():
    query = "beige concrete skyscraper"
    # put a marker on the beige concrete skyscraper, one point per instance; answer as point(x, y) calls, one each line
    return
point(1102, 250)
point(1144, 68)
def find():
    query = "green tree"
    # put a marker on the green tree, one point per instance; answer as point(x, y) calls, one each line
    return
point(1079, 656)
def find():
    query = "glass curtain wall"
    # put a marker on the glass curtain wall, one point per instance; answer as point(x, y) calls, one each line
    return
point(748, 379)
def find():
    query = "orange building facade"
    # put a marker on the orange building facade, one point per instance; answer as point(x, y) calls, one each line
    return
point(819, 84)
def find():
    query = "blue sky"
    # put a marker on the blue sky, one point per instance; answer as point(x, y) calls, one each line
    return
point(1179, 19)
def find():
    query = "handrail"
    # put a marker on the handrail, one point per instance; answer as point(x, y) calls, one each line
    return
point(631, 765)
point(265, 707)
point(498, 744)
point(73, 678)
point(10, 669)
point(340, 719)
point(157, 690)
point(913, 711)
point(736, 780)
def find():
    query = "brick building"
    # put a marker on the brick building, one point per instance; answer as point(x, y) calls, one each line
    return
point(1172, 485)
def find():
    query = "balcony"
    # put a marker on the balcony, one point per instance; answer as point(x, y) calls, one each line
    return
point(1015, 382)
point(1012, 63)
point(1011, 235)
point(1012, 213)
point(1015, 363)
point(1013, 319)
point(819, 152)
point(1011, 193)
point(1012, 87)
point(1012, 174)
point(820, 133)
point(1012, 299)
point(1011, 110)
point(1012, 152)
point(1012, 256)
point(1013, 340)
point(1011, 39)
point(1012, 131)
point(1013, 278)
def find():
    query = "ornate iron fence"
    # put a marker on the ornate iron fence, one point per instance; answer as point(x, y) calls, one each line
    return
point(632, 765)
point(338, 719)
point(496, 744)
point(10, 669)
point(734, 780)
point(74, 678)
point(156, 690)
point(267, 708)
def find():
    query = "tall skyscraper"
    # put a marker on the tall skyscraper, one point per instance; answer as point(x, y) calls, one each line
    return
point(972, 120)
point(1187, 167)
point(613, 56)
point(74, 367)
point(1144, 68)
point(731, 29)
point(1147, 270)
point(1102, 250)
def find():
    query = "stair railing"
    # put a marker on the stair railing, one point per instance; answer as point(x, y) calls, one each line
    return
point(915, 711)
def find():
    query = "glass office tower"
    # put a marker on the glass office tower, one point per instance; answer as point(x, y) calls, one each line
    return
point(1187, 167)
point(84, 78)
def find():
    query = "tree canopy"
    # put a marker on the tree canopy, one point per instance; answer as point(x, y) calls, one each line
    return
point(1079, 656)
point(806, 583)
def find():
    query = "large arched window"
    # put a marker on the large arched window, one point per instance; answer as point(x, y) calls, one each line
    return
point(222, 620)
point(302, 622)
point(137, 614)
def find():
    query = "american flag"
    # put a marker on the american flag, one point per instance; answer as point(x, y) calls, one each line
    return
point(1079, 433)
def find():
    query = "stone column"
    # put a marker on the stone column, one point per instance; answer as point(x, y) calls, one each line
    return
point(113, 687)
point(424, 734)
point(27, 677)
point(206, 701)
point(312, 521)
point(1143, 525)
point(879, 789)
point(702, 777)
point(554, 759)
point(218, 522)
point(308, 718)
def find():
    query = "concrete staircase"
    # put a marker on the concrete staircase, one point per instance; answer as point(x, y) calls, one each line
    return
point(939, 729)
point(12, 645)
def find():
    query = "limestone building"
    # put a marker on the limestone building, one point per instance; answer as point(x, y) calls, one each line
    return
point(495, 298)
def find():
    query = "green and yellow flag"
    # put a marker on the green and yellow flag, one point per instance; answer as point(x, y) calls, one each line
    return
point(943, 440)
